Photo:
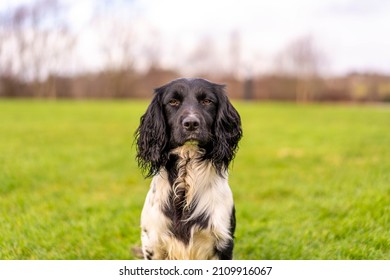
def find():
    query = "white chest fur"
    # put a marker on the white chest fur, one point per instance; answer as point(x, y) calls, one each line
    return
point(207, 192)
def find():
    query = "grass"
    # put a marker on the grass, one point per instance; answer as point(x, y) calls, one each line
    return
point(310, 182)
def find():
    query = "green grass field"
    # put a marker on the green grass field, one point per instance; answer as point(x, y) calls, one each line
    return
point(310, 181)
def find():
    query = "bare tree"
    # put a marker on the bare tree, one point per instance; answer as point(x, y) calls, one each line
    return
point(235, 53)
point(152, 50)
point(117, 41)
point(304, 61)
point(33, 41)
point(204, 58)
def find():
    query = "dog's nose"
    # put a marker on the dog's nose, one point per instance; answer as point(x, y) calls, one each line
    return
point(191, 123)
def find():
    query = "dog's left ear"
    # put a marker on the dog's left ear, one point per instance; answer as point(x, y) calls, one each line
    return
point(228, 131)
point(152, 137)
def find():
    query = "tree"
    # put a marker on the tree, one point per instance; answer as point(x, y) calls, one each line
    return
point(116, 43)
point(302, 60)
point(34, 43)
point(235, 53)
point(203, 60)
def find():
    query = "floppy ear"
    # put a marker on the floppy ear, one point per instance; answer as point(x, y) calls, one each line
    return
point(152, 137)
point(227, 130)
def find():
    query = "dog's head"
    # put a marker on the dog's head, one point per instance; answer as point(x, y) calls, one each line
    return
point(188, 110)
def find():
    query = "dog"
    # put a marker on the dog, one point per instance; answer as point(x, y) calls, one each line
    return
point(186, 141)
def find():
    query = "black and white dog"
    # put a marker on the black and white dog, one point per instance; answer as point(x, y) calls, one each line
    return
point(186, 140)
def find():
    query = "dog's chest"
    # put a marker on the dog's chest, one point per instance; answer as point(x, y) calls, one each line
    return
point(190, 217)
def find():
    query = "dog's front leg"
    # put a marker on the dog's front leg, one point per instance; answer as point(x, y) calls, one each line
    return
point(154, 225)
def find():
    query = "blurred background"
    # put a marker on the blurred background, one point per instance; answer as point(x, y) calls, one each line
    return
point(303, 51)
point(317, 175)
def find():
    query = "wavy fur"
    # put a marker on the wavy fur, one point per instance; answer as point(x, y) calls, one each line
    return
point(186, 141)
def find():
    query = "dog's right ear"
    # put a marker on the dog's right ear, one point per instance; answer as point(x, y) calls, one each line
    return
point(152, 137)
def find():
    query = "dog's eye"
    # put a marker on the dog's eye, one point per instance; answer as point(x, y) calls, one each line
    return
point(174, 102)
point(206, 101)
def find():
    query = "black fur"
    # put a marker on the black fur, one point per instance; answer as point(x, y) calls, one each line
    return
point(152, 138)
point(175, 210)
point(188, 110)
point(161, 128)
point(181, 230)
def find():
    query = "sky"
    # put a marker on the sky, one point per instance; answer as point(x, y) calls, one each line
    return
point(353, 35)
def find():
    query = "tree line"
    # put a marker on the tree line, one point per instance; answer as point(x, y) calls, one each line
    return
point(38, 59)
